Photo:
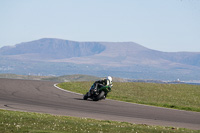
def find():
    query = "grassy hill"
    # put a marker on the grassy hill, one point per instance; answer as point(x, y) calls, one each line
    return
point(30, 77)
point(65, 78)
point(75, 77)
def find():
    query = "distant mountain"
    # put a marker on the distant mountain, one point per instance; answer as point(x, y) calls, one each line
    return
point(121, 59)
point(51, 49)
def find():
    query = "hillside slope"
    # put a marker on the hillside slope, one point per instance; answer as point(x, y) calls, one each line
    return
point(126, 54)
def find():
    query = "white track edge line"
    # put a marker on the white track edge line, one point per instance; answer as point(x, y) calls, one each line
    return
point(55, 85)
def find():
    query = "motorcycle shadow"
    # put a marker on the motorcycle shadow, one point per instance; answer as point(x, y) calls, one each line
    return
point(78, 99)
point(89, 100)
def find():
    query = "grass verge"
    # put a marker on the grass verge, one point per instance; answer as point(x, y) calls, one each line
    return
point(25, 122)
point(177, 96)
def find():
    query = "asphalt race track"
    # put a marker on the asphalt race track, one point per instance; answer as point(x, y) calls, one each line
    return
point(43, 97)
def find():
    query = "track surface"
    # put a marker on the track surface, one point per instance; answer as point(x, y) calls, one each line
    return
point(43, 97)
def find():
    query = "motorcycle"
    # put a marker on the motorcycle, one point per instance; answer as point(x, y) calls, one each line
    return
point(97, 92)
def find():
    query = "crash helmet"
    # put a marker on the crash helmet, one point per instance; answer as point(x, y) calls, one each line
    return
point(110, 79)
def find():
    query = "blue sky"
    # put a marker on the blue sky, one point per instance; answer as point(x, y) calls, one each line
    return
point(165, 25)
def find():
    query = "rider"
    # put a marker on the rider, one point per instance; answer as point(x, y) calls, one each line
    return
point(105, 82)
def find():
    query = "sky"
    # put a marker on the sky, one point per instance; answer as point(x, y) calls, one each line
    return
point(164, 25)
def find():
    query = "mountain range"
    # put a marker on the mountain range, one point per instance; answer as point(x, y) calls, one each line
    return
point(49, 56)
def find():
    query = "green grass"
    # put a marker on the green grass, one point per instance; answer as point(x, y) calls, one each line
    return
point(25, 122)
point(177, 96)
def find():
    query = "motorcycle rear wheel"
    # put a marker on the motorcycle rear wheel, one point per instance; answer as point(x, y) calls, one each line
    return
point(85, 97)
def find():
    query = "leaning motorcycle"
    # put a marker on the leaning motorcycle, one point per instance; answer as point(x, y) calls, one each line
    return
point(97, 92)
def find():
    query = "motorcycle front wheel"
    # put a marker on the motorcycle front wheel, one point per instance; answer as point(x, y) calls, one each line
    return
point(100, 96)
